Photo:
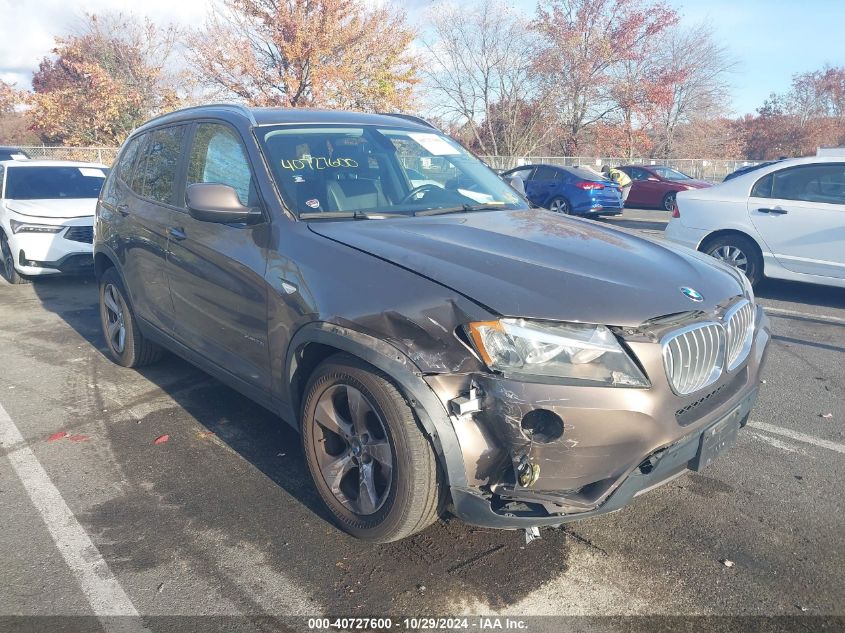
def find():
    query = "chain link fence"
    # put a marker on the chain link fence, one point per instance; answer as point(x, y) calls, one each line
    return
point(713, 170)
point(104, 155)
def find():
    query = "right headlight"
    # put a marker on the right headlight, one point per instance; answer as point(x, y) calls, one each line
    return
point(576, 351)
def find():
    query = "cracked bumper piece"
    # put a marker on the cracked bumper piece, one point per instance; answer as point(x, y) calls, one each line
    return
point(598, 447)
point(693, 452)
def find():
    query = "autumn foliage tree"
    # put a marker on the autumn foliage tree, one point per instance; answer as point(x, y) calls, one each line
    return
point(587, 40)
point(306, 53)
point(102, 81)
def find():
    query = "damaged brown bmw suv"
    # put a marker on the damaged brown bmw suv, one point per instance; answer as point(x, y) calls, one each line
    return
point(440, 345)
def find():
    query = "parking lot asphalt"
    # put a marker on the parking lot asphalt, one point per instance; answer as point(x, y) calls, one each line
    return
point(221, 518)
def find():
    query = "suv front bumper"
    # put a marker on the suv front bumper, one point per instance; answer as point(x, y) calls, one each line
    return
point(616, 442)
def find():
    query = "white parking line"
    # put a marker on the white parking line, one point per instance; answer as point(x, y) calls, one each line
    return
point(800, 437)
point(805, 315)
point(104, 593)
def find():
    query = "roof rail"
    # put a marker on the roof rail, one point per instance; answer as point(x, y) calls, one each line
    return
point(237, 107)
point(409, 117)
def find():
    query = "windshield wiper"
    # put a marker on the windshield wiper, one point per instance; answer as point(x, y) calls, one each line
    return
point(355, 215)
point(464, 208)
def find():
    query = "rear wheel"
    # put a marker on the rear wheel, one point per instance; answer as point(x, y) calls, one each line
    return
point(740, 252)
point(127, 346)
point(371, 463)
point(669, 201)
point(9, 272)
point(560, 205)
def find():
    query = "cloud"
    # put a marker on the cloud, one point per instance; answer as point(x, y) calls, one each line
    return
point(30, 26)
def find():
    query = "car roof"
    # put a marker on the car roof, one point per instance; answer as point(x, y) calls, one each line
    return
point(741, 185)
point(280, 116)
point(51, 163)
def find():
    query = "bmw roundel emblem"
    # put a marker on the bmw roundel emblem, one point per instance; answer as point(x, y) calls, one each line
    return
point(692, 294)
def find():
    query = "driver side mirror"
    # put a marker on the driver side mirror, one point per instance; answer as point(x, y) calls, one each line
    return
point(653, 179)
point(212, 202)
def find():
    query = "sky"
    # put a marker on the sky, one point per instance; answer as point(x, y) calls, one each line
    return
point(771, 39)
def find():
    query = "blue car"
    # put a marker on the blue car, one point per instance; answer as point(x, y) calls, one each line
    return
point(569, 190)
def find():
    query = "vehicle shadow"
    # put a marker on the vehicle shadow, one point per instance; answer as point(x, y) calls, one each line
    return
point(230, 497)
point(807, 294)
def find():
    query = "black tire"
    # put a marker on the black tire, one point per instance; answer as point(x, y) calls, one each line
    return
point(411, 495)
point(136, 350)
point(10, 274)
point(559, 204)
point(669, 201)
point(749, 259)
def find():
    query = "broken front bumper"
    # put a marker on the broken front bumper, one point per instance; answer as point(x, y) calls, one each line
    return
point(616, 442)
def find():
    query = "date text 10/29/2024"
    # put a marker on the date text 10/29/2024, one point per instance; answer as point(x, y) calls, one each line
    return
point(482, 623)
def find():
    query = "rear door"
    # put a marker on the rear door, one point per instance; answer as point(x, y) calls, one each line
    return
point(800, 213)
point(145, 208)
point(543, 185)
point(639, 186)
point(217, 270)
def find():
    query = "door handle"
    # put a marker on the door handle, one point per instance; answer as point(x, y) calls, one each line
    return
point(122, 209)
point(177, 233)
point(774, 211)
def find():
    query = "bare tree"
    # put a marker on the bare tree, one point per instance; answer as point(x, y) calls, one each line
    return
point(481, 77)
point(586, 42)
point(694, 83)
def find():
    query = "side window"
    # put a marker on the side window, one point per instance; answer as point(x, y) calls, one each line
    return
point(218, 156)
point(123, 169)
point(546, 173)
point(136, 179)
point(638, 174)
point(162, 159)
point(763, 187)
point(811, 183)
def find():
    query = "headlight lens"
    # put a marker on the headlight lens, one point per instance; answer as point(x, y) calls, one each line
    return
point(25, 227)
point(562, 350)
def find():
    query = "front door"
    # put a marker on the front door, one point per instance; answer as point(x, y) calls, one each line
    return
point(800, 214)
point(217, 270)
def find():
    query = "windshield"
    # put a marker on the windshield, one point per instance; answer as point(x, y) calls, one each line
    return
point(670, 174)
point(368, 170)
point(46, 183)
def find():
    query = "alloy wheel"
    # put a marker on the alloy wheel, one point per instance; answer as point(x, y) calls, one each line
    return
point(669, 203)
point(116, 318)
point(559, 206)
point(354, 453)
point(733, 256)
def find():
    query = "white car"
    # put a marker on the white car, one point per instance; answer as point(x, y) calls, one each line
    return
point(785, 220)
point(46, 216)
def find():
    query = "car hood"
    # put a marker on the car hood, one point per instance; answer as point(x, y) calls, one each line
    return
point(58, 208)
point(696, 184)
point(538, 264)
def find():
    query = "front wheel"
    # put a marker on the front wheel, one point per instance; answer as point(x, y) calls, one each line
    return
point(560, 205)
point(10, 273)
point(740, 252)
point(372, 465)
point(669, 201)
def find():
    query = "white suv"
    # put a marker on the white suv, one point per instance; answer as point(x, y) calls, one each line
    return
point(46, 216)
point(785, 220)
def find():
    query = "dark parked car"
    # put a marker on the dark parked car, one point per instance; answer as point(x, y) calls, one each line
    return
point(655, 186)
point(748, 168)
point(12, 153)
point(569, 190)
point(441, 347)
